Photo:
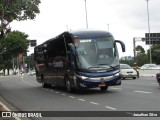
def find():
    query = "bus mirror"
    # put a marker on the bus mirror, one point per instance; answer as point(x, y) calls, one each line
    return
point(122, 45)
point(73, 49)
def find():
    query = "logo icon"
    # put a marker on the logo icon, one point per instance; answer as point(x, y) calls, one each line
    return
point(6, 114)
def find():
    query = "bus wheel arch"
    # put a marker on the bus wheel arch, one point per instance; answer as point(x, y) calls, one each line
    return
point(104, 88)
point(44, 85)
point(68, 84)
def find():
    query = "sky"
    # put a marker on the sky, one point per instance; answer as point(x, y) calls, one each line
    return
point(125, 19)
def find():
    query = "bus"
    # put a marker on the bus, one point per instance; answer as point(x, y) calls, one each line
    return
point(79, 60)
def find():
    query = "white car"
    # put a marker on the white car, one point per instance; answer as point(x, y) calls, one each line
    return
point(128, 72)
point(150, 66)
point(33, 72)
point(1, 72)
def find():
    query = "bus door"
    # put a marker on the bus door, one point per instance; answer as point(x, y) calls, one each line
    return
point(51, 72)
point(60, 69)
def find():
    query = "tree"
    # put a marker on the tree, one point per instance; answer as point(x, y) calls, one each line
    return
point(141, 57)
point(140, 50)
point(155, 49)
point(14, 43)
point(16, 10)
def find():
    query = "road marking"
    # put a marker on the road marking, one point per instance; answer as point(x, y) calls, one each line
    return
point(154, 83)
point(143, 92)
point(71, 97)
point(63, 94)
point(57, 92)
point(94, 103)
point(28, 83)
point(46, 89)
point(51, 90)
point(116, 88)
point(110, 108)
point(7, 110)
point(81, 100)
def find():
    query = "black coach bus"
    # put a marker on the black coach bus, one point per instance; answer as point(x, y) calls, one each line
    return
point(79, 60)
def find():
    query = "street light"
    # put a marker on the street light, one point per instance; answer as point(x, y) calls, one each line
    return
point(86, 14)
point(108, 27)
point(150, 53)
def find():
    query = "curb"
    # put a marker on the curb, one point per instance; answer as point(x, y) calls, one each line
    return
point(4, 108)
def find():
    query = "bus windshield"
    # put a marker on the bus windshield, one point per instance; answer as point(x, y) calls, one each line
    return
point(99, 53)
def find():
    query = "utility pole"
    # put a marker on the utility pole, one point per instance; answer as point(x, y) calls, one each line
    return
point(86, 14)
point(108, 27)
point(149, 34)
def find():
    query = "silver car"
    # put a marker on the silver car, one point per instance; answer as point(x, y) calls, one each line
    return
point(150, 66)
point(128, 72)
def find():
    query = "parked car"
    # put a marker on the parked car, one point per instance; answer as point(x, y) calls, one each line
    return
point(128, 72)
point(158, 78)
point(150, 66)
point(33, 72)
point(1, 72)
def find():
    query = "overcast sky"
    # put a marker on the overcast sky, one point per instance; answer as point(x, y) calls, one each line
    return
point(126, 19)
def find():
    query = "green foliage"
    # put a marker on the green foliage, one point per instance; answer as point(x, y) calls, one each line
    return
point(16, 42)
point(155, 50)
point(141, 57)
point(19, 9)
point(30, 62)
point(140, 50)
point(129, 62)
point(16, 10)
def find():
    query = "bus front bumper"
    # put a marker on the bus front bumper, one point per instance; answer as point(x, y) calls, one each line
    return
point(88, 82)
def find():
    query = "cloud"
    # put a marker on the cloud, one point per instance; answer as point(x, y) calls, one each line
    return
point(126, 18)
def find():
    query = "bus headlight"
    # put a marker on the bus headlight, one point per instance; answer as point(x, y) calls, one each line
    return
point(82, 77)
point(117, 74)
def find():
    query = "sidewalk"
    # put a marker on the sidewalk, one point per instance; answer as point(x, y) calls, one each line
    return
point(4, 108)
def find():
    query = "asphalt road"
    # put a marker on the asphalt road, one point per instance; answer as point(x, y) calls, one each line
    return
point(25, 94)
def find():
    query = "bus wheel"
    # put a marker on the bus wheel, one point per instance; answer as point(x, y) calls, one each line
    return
point(44, 85)
point(104, 88)
point(68, 85)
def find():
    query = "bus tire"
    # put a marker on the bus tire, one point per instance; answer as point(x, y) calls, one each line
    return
point(104, 88)
point(44, 85)
point(134, 77)
point(68, 85)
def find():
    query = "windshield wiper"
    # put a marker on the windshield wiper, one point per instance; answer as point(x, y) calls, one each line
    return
point(93, 67)
point(109, 66)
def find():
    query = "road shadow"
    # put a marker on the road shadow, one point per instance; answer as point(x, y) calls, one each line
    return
point(89, 91)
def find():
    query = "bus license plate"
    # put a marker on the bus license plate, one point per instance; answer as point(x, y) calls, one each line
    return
point(102, 85)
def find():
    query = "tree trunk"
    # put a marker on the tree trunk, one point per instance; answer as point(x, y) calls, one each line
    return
point(8, 71)
point(3, 71)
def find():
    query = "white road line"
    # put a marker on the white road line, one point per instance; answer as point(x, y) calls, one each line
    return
point(110, 108)
point(154, 83)
point(143, 92)
point(5, 108)
point(71, 97)
point(94, 103)
point(28, 83)
point(63, 94)
point(116, 88)
point(81, 100)
point(51, 90)
point(57, 92)
point(47, 89)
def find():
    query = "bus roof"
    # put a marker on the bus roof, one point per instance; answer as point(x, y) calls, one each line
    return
point(89, 34)
point(82, 34)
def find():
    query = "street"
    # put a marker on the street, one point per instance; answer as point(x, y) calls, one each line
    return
point(23, 92)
